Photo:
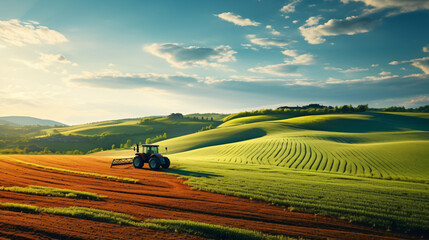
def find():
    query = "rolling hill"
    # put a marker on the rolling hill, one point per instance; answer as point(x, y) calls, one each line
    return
point(381, 145)
point(370, 168)
point(25, 121)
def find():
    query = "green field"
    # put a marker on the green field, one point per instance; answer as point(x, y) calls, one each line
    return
point(370, 168)
point(99, 135)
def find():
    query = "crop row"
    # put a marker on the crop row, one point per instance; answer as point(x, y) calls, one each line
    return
point(313, 155)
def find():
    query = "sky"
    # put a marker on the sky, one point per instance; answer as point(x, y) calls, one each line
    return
point(85, 61)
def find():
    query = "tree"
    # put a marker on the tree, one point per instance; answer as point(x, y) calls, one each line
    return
point(361, 108)
point(175, 116)
point(128, 144)
point(113, 146)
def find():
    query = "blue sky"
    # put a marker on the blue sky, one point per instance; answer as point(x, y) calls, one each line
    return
point(85, 61)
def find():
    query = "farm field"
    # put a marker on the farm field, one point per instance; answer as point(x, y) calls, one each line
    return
point(157, 196)
point(370, 168)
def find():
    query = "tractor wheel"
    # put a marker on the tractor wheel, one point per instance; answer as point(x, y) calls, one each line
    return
point(154, 163)
point(166, 163)
point(138, 162)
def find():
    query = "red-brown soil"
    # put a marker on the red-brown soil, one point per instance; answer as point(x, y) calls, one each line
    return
point(158, 195)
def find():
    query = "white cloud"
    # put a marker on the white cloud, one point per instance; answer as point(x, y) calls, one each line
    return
point(425, 48)
point(421, 63)
point(290, 7)
point(241, 78)
point(115, 79)
point(18, 33)
point(303, 59)
point(350, 70)
point(417, 100)
point(374, 65)
point(46, 61)
point(183, 57)
point(365, 79)
point(385, 73)
point(295, 21)
point(312, 21)
point(268, 42)
point(348, 26)
point(354, 69)
point(290, 53)
point(333, 68)
point(237, 19)
point(290, 67)
point(283, 69)
point(402, 5)
point(275, 32)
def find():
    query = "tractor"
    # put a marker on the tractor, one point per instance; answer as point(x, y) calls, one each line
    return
point(149, 154)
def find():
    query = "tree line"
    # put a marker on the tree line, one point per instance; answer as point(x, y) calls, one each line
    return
point(299, 111)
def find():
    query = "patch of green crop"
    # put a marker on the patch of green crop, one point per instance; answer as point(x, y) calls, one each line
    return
point(53, 192)
point(108, 177)
point(187, 227)
point(386, 204)
point(209, 230)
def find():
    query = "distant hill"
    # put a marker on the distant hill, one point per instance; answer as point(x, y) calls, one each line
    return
point(25, 121)
point(215, 116)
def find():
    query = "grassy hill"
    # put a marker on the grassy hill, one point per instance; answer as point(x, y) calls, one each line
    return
point(104, 134)
point(365, 167)
point(99, 135)
point(389, 146)
point(26, 121)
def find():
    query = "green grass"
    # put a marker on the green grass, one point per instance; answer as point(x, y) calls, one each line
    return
point(188, 227)
point(215, 116)
point(131, 127)
point(103, 135)
point(89, 174)
point(386, 204)
point(53, 192)
point(369, 168)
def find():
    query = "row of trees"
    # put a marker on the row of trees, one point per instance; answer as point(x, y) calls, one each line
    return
point(206, 128)
point(299, 111)
point(402, 109)
point(45, 151)
point(156, 139)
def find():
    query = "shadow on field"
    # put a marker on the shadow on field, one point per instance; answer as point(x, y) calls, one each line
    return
point(191, 173)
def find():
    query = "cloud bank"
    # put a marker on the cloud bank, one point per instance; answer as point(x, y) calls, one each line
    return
point(184, 57)
point(403, 5)
point(237, 19)
point(421, 63)
point(19, 33)
point(114, 79)
point(348, 26)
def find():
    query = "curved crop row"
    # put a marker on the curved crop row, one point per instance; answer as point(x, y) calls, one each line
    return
point(312, 154)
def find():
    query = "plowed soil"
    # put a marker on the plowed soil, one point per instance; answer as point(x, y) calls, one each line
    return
point(158, 195)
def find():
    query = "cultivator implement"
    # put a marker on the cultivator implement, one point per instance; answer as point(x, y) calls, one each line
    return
point(121, 161)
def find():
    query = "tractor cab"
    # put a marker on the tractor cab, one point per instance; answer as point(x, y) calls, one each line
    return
point(150, 149)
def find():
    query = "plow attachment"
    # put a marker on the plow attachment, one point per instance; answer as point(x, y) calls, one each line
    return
point(121, 161)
